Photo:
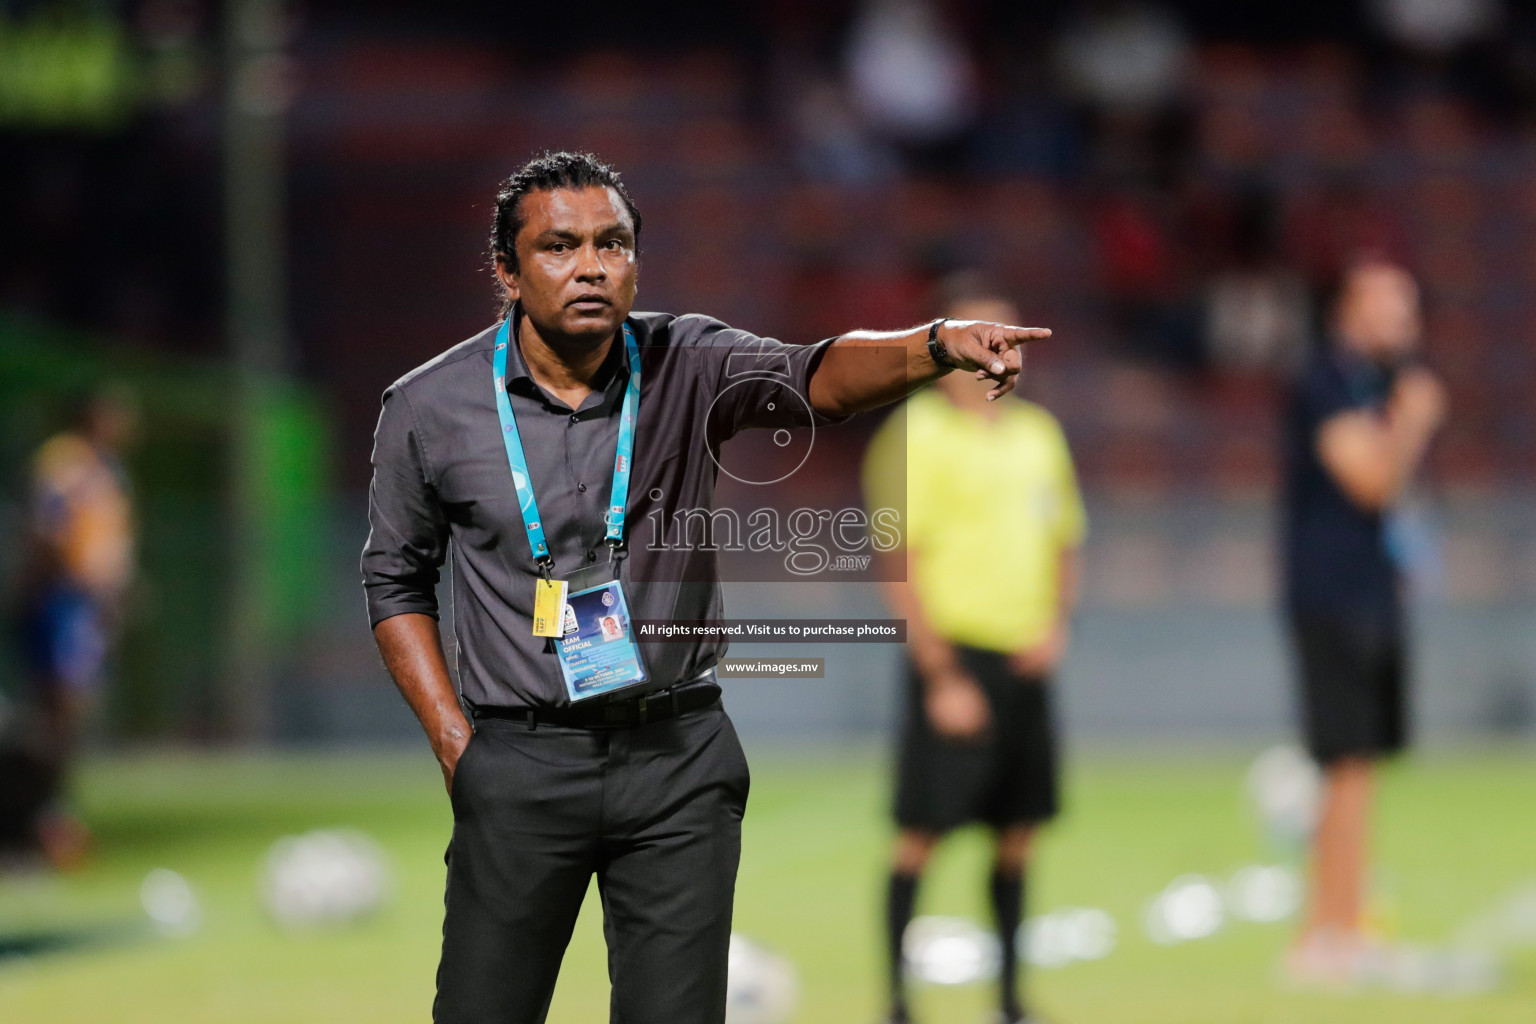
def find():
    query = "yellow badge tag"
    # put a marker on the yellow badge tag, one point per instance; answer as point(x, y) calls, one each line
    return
point(548, 607)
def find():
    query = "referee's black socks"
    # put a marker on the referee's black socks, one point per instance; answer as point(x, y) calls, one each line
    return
point(1007, 892)
point(900, 898)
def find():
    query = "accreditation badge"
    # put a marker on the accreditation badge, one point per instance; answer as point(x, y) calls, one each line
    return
point(597, 650)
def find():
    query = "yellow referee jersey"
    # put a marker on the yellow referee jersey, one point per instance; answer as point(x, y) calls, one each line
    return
point(990, 504)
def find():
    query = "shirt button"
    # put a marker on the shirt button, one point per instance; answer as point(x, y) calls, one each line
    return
point(582, 488)
point(573, 417)
point(591, 556)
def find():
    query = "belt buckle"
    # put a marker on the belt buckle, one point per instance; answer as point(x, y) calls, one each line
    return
point(645, 702)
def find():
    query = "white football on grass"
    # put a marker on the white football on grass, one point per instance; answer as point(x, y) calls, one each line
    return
point(325, 877)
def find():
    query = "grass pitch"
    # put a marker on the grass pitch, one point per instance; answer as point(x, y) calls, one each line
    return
point(1457, 832)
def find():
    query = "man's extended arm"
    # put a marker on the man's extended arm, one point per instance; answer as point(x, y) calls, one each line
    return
point(849, 379)
point(413, 653)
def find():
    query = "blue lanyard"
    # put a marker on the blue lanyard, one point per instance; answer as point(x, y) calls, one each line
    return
point(618, 496)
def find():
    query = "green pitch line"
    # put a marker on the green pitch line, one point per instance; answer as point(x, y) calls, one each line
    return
point(1456, 834)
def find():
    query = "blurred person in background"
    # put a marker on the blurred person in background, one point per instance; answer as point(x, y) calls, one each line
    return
point(1360, 422)
point(912, 77)
point(77, 570)
point(994, 525)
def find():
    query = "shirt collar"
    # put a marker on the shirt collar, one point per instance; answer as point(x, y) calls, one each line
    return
point(517, 367)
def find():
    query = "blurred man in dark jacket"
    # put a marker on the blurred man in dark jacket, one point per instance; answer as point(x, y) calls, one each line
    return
point(1361, 420)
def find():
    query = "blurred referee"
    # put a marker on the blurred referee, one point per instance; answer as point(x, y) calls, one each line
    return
point(1360, 421)
point(994, 523)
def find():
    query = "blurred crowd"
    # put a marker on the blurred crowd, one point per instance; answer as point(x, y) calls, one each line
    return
point(1171, 186)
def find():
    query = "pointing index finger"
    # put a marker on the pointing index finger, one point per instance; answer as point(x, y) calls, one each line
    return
point(1014, 335)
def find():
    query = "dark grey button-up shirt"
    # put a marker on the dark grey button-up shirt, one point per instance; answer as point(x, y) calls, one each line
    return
point(441, 484)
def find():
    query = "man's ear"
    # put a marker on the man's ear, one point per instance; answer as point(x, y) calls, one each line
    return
point(508, 278)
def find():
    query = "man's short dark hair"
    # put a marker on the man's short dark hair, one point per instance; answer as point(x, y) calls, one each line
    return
point(544, 174)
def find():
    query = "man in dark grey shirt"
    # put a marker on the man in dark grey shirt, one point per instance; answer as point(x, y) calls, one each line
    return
point(647, 792)
point(441, 470)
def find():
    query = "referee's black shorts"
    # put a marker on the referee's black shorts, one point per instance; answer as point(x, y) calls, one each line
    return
point(1353, 690)
point(1007, 776)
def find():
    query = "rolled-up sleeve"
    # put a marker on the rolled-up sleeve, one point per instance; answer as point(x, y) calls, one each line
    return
point(757, 382)
point(407, 531)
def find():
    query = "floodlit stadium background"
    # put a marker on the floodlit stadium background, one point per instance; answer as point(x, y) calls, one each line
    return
point(257, 216)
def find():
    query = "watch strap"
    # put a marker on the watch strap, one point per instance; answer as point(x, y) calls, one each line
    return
point(936, 350)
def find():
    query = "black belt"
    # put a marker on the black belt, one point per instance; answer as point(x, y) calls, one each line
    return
point(615, 714)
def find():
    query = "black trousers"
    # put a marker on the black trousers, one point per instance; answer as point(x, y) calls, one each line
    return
point(654, 811)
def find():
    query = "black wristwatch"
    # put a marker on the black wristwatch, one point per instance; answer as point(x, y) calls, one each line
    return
point(936, 350)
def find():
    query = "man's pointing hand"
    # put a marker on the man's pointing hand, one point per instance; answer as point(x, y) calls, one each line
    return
point(991, 350)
